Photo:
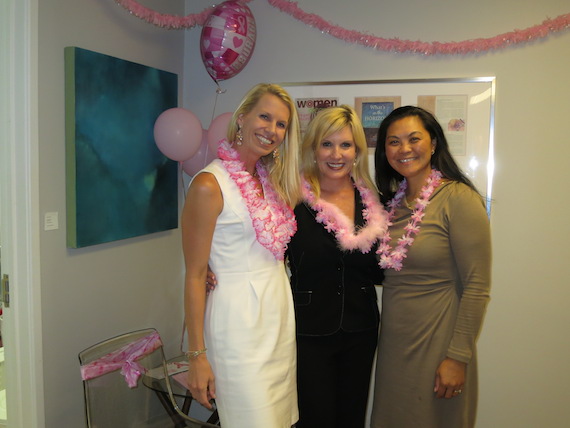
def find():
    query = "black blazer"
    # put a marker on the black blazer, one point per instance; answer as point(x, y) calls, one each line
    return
point(332, 289)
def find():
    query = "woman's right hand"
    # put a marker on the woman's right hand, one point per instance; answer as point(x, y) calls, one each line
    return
point(201, 381)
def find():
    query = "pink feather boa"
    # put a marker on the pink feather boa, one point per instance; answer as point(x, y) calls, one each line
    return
point(337, 222)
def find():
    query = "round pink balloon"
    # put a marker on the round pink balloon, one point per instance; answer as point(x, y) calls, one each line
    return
point(201, 158)
point(178, 133)
point(218, 130)
point(227, 39)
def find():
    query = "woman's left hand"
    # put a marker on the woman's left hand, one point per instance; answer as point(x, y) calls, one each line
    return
point(211, 280)
point(449, 378)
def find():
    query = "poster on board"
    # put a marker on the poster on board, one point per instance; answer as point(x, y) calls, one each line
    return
point(372, 111)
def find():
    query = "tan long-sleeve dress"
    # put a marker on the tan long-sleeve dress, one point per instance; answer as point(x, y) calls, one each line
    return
point(432, 309)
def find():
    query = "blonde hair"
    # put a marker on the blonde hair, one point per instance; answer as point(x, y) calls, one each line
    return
point(284, 170)
point(327, 122)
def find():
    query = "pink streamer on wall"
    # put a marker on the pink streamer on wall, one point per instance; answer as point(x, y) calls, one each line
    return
point(167, 21)
point(427, 48)
point(500, 41)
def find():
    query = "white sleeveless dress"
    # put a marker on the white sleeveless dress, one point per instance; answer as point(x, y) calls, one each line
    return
point(249, 323)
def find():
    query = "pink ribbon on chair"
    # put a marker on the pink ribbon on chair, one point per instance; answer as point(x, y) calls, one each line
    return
point(125, 359)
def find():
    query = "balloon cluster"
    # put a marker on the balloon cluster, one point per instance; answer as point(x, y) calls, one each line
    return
point(179, 136)
point(226, 44)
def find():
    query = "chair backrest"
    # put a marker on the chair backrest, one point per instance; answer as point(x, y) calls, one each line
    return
point(115, 396)
point(109, 400)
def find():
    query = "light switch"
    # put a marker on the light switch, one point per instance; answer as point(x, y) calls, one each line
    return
point(51, 221)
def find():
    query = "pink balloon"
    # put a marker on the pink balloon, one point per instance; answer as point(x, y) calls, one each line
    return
point(201, 158)
point(178, 133)
point(218, 130)
point(227, 39)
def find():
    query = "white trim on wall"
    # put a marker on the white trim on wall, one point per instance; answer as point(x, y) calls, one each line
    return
point(19, 202)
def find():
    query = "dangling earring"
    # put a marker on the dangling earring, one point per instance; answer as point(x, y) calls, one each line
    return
point(239, 137)
point(432, 152)
point(276, 154)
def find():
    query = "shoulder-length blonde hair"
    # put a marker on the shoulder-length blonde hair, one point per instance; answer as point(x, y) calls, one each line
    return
point(284, 169)
point(327, 122)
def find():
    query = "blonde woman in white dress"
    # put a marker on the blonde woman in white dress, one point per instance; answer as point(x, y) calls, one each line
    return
point(238, 219)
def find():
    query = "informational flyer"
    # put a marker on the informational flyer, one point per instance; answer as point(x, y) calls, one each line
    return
point(372, 111)
point(451, 113)
point(307, 108)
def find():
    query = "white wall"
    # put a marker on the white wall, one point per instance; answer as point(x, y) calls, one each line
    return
point(96, 292)
point(524, 348)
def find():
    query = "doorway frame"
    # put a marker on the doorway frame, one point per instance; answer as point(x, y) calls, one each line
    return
point(20, 218)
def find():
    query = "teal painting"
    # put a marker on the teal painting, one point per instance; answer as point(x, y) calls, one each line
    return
point(118, 184)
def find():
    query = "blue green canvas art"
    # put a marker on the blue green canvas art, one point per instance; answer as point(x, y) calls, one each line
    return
point(118, 184)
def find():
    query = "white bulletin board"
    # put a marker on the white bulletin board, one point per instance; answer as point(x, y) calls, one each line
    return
point(463, 106)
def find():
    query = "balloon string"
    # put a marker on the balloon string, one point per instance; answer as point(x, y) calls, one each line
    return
point(219, 91)
point(181, 175)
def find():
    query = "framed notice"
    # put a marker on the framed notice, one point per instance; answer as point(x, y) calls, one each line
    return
point(463, 106)
point(372, 111)
point(307, 108)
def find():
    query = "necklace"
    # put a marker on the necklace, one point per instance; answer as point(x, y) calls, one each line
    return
point(273, 220)
point(334, 220)
point(393, 259)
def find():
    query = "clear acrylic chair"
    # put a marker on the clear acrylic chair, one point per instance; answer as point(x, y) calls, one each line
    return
point(114, 396)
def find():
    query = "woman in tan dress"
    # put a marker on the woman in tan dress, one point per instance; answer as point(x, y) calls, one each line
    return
point(436, 258)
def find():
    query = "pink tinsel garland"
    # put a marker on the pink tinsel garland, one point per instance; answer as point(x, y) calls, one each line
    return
point(171, 22)
point(540, 31)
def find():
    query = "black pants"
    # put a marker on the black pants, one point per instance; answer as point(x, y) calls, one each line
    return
point(333, 378)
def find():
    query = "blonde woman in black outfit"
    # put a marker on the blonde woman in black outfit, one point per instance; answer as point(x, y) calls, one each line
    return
point(334, 270)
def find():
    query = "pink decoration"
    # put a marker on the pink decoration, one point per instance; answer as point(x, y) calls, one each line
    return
point(218, 130)
point(178, 133)
point(535, 32)
point(273, 220)
point(426, 48)
point(124, 359)
point(393, 259)
point(227, 40)
point(334, 220)
point(164, 20)
point(201, 158)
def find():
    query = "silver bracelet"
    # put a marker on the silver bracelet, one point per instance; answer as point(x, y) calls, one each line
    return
point(194, 354)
